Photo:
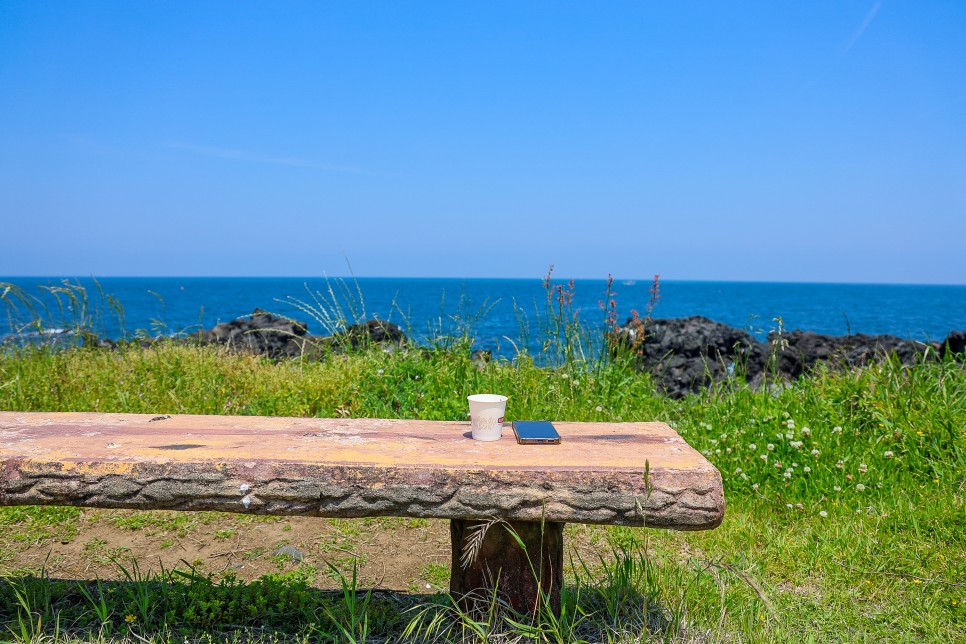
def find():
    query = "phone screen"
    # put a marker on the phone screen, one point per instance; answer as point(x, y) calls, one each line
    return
point(535, 432)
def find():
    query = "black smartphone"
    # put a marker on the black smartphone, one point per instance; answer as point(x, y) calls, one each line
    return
point(535, 432)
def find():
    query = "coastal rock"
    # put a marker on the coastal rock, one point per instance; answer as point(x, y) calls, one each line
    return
point(686, 354)
point(797, 352)
point(261, 333)
point(386, 335)
point(955, 343)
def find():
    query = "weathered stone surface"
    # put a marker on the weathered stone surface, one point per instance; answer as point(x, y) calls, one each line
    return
point(356, 468)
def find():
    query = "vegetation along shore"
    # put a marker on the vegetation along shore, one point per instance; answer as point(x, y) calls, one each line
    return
point(844, 479)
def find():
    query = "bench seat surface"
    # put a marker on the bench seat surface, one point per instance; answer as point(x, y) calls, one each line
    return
point(356, 467)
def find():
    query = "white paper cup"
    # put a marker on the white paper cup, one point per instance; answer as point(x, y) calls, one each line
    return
point(486, 416)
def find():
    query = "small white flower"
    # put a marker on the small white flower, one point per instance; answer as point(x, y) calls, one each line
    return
point(752, 447)
point(789, 506)
point(565, 376)
point(754, 486)
point(837, 488)
point(764, 457)
point(840, 465)
point(380, 371)
point(889, 454)
point(738, 470)
point(794, 464)
point(576, 383)
point(823, 514)
point(728, 450)
point(863, 468)
point(771, 448)
point(717, 451)
point(796, 444)
point(598, 408)
point(786, 414)
point(806, 469)
point(788, 475)
point(836, 430)
point(860, 487)
point(744, 477)
point(799, 506)
point(815, 453)
point(806, 431)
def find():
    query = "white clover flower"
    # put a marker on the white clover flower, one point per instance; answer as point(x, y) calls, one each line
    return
point(706, 452)
point(714, 441)
point(840, 465)
point(771, 448)
point(764, 457)
point(565, 376)
point(728, 450)
point(806, 431)
point(799, 506)
point(797, 444)
point(744, 477)
point(754, 486)
point(788, 475)
point(788, 505)
point(806, 469)
point(717, 451)
point(815, 453)
point(860, 487)
point(863, 468)
point(889, 454)
point(598, 408)
point(837, 488)
point(738, 470)
point(789, 435)
point(823, 514)
point(836, 430)
point(380, 371)
point(752, 447)
point(786, 414)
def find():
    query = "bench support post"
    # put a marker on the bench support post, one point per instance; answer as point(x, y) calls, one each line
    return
point(520, 574)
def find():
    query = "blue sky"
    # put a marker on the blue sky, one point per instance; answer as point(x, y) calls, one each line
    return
point(708, 140)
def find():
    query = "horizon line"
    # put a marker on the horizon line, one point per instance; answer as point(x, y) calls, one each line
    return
point(423, 277)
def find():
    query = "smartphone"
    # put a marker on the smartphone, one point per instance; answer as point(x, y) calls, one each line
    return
point(535, 432)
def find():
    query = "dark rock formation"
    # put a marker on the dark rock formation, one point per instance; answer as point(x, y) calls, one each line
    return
point(955, 343)
point(386, 335)
point(797, 352)
point(261, 333)
point(687, 354)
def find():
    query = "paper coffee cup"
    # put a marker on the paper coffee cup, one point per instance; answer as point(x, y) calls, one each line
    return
point(486, 416)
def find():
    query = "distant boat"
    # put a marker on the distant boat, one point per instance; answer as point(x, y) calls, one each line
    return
point(629, 282)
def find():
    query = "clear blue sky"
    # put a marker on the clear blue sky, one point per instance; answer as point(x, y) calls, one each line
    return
point(812, 141)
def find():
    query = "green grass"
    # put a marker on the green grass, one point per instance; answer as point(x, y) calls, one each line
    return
point(846, 516)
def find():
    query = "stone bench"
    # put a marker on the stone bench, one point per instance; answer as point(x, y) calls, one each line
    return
point(632, 474)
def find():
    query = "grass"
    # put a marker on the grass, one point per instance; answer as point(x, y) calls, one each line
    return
point(846, 516)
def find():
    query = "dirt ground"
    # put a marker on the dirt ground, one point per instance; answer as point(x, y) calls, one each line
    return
point(403, 554)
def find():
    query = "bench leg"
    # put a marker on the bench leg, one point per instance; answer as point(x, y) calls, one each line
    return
point(520, 574)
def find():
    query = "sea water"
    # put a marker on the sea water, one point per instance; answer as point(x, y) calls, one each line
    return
point(499, 314)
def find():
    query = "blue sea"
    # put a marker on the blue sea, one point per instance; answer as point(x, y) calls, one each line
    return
point(499, 313)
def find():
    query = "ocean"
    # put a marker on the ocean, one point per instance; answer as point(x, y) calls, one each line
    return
point(499, 313)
